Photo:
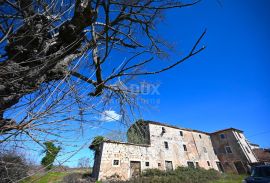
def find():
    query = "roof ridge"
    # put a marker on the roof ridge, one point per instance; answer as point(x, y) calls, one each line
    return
point(171, 126)
point(188, 129)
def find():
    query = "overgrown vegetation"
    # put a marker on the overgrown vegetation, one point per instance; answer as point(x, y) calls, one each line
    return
point(230, 178)
point(138, 134)
point(51, 153)
point(181, 175)
point(96, 142)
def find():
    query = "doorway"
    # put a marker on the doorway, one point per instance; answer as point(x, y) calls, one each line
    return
point(240, 167)
point(190, 164)
point(220, 167)
point(168, 165)
point(135, 168)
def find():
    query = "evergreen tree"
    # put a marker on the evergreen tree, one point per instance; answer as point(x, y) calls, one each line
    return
point(51, 153)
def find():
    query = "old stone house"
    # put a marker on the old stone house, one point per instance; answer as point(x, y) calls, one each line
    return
point(165, 147)
point(233, 150)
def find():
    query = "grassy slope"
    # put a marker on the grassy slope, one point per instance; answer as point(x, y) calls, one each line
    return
point(230, 178)
point(51, 177)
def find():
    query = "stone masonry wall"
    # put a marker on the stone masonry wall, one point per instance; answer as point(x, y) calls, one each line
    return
point(124, 153)
point(238, 147)
point(194, 141)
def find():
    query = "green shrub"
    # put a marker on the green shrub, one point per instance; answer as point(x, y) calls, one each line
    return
point(153, 172)
point(51, 153)
point(96, 142)
point(179, 175)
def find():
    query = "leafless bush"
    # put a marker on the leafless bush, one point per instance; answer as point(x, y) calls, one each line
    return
point(13, 167)
point(78, 178)
point(84, 162)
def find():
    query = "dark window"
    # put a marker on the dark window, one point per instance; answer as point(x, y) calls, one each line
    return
point(166, 145)
point(200, 136)
point(247, 150)
point(181, 133)
point(197, 165)
point(115, 162)
point(208, 163)
point(185, 147)
point(222, 136)
point(146, 163)
point(159, 164)
point(204, 150)
point(163, 130)
point(228, 149)
point(190, 164)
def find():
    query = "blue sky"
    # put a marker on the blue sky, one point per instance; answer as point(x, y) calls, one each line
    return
point(226, 85)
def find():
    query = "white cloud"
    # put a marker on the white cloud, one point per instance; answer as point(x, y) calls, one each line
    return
point(109, 116)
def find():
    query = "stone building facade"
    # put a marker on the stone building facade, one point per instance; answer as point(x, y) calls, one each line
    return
point(165, 147)
point(233, 150)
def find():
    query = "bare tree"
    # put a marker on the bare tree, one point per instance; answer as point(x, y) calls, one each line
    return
point(84, 162)
point(63, 60)
point(13, 166)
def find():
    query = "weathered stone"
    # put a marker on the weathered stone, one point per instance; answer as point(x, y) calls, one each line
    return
point(168, 147)
point(241, 155)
